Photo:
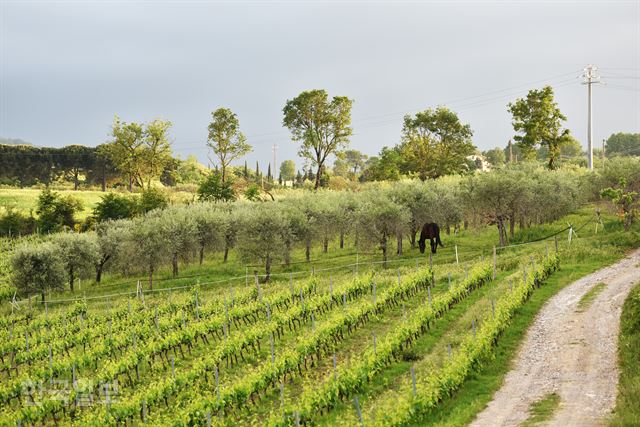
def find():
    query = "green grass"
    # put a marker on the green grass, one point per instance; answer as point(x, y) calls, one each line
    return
point(26, 199)
point(586, 254)
point(542, 410)
point(588, 298)
point(627, 410)
point(583, 258)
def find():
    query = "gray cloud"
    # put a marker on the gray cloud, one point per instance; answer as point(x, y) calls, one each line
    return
point(68, 67)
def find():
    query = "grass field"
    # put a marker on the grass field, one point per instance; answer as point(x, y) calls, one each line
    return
point(26, 199)
point(170, 364)
point(627, 410)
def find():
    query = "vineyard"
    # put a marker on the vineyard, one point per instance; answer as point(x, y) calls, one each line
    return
point(346, 338)
point(372, 346)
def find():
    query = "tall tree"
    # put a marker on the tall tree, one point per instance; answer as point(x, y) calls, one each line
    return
point(538, 122)
point(125, 151)
point(435, 143)
point(623, 144)
point(322, 127)
point(287, 170)
point(156, 153)
point(225, 138)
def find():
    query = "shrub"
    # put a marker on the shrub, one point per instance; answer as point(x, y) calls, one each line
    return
point(37, 268)
point(152, 198)
point(213, 189)
point(56, 211)
point(113, 206)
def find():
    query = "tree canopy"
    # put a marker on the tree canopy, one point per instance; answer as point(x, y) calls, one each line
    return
point(225, 139)
point(321, 126)
point(435, 143)
point(537, 121)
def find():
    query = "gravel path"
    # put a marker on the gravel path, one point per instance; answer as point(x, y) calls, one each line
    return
point(572, 353)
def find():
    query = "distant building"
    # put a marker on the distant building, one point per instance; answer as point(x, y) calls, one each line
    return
point(482, 164)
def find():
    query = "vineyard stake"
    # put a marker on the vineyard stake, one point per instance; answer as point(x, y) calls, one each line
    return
point(398, 276)
point(73, 375)
point(26, 339)
point(556, 239)
point(144, 411)
point(449, 350)
point(301, 299)
point(218, 384)
point(493, 308)
point(282, 396)
point(374, 342)
point(246, 276)
point(473, 326)
point(374, 293)
point(335, 371)
point(173, 367)
point(494, 263)
point(457, 261)
point(413, 380)
point(106, 396)
point(255, 274)
point(209, 419)
point(344, 300)
point(430, 260)
point(357, 261)
point(429, 295)
point(297, 417)
point(449, 280)
point(331, 287)
point(417, 267)
point(51, 363)
point(291, 285)
point(156, 316)
point(313, 322)
point(358, 411)
point(273, 354)
point(510, 285)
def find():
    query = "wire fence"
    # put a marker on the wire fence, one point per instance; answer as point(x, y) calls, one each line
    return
point(459, 249)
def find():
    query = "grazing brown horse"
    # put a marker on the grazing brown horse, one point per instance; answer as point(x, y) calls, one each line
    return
point(430, 231)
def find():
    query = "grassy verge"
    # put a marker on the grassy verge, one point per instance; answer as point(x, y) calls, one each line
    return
point(478, 390)
point(587, 299)
point(627, 410)
point(542, 410)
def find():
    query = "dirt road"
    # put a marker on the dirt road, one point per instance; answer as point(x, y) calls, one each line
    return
point(570, 352)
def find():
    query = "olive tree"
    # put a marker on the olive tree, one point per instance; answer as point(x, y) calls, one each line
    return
point(148, 245)
point(79, 253)
point(261, 234)
point(38, 268)
point(380, 219)
point(211, 227)
point(111, 237)
point(179, 231)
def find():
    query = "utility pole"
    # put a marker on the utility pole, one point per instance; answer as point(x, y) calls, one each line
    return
point(604, 143)
point(590, 76)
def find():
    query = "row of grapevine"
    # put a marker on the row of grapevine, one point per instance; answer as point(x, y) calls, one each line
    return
point(407, 407)
point(349, 379)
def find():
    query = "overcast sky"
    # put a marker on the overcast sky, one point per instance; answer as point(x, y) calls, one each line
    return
point(68, 67)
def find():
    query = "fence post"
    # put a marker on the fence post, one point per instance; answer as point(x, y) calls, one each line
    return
point(335, 370)
point(556, 239)
point(358, 411)
point(413, 380)
point(430, 260)
point(457, 261)
point(449, 280)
